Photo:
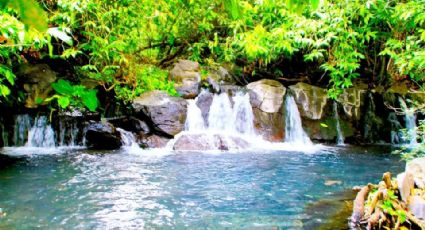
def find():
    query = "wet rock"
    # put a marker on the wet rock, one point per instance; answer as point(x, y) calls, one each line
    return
point(154, 141)
point(131, 124)
point(311, 100)
point(204, 142)
point(266, 98)
point(103, 136)
point(187, 77)
point(204, 102)
point(36, 81)
point(352, 101)
point(166, 114)
point(219, 77)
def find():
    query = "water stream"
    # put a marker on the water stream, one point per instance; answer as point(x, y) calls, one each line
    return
point(410, 119)
point(339, 134)
point(294, 132)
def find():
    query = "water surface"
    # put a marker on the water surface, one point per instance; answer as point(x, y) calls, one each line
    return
point(81, 189)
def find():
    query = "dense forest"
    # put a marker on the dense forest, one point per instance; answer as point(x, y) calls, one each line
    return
point(300, 72)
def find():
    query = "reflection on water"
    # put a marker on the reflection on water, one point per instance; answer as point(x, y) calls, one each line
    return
point(88, 190)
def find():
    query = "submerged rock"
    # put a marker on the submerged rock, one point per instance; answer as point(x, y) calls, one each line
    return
point(167, 114)
point(266, 98)
point(103, 136)
point(203, 142)
point(187, 77)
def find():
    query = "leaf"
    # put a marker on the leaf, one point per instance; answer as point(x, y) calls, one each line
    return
point(90, 100)
point(63, 87)
point(8, 74)
point(55, 32)
point(4, 90)
point(64, 102)
point(31, 14)
point(38, 100)
point(324, 125)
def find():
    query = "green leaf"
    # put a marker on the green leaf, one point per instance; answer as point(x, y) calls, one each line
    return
point(90, 100)
point(64, 102)
point(324, 125)
point(63, 87)
point(38, 100)
point(4, 90)
point(31, 14)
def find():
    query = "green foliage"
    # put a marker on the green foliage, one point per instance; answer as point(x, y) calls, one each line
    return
point(30, 13)
point(74, 95)
point(147, 78)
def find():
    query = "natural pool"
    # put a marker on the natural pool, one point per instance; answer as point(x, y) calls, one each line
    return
point(81, 189)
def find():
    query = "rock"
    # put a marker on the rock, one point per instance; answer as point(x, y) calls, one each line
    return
point(204, 142)
point(417, 168)
point(204, 102)
point(131, 124)
point(231, 90)
point(311, 100)
point(36, 81)
point(266, 98)
point(187, 77)
point(267, 95)
point(417, 207)
point(154, 141)
point(219, 77)
point(166, 114)
point(103, 136)
point(405, 185)
point(352, 101)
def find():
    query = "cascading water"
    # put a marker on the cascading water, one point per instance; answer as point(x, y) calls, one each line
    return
point(194, 121)
point(222, 117)
point(21, 129)
point(410, 119)
point(128, 140)
point(294, 131)
point(339, 134)
point(41, 134)
point(69, 132)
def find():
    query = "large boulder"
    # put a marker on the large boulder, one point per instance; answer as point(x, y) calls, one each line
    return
point(167, 114)
point(266, 98)
point(204, 142)
point(36, 81)
point(204, 102)
point(187, 77)
point(318, 113)
point(219, 77)
point(103, 135)
point(352, 101)
point(131, 124)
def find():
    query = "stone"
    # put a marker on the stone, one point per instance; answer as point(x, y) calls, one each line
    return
point(204, 102)
point(204, 142)
point(103, 136)
point(417, 207)
point(311, 100)
point(187, 78)
point(219, 77)
point(36, 81)
point(417, 168)
point(154, 141)
point(266, 97)
point(166, 114)
point(131, 124)
point(405, 185)
point(352, 101)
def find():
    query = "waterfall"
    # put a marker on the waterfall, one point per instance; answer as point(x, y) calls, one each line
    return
point(128, 140)
point(294, 131)
point(410, 119)
point(41, 134)
point(339, 134)
point(220, 116)
point(21, 128)
point(4, 135)
point(223, 117)
point(194, 121)
point(243, 116)
point(69, 133)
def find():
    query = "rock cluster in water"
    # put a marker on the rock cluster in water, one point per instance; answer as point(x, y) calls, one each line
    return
point(358, 115)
